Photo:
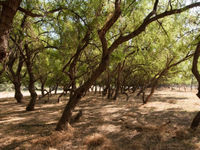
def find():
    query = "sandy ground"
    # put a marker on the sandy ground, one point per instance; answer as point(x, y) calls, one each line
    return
point(162, 124)
point(11, 94)
point(7, 94)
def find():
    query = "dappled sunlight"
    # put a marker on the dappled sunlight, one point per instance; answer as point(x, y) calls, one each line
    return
point(110, 109)
point(126, 124)
point(12, 119)
point(179, 101)
point(106, 128)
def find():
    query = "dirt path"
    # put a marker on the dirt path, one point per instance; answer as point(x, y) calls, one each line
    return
point(162, 124)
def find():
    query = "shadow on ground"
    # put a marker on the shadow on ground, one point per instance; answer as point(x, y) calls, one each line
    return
point(162, 124)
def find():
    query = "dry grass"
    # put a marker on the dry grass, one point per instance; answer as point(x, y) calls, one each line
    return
point(98, 141)
point(54, 140)
point(162, 124)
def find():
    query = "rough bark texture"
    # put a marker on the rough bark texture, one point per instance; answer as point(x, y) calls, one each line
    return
point(31, 86)
point(195, 71)
point(118, 80)
point(15, 76)
point(75, 98)
point(195, 122)
point(18, 93)
point(8, 12)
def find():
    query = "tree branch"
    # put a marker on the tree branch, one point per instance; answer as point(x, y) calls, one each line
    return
point(146, 22)
point(109, 24)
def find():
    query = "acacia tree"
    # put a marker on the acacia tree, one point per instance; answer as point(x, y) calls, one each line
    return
point(107, 49)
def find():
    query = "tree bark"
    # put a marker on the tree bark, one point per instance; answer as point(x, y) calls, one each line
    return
point(15, 76)
point(195, 71)
point(42, 88)
point(31, 89)
point(78, 93)
point(119, 69)
point(195, 121)
point(18, 93)
point(8, 12)
point(31, 86)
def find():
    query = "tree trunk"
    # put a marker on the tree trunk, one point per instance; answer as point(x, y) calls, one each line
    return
point(105, 90)
point(31, 104)
point(18, 93)
point(151, 93)
point(141, 90)
point(31, 86)
point(42, 89)
point(95, 89)
point(195, 71)
point(56, 89)
point(109, 92)
point(117, 82)
point(195, 121)
point(78, 93)
point(6, 18)
point(15, 76)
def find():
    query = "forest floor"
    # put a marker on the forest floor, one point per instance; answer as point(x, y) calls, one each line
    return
point(161, 124)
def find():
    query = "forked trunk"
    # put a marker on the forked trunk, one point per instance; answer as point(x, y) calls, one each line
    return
point(150, 94)
point(78, 93)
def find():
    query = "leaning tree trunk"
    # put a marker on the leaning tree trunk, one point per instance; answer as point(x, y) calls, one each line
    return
point(195, 71)
point(151, 93)
point(78, 93)
point(7, 14)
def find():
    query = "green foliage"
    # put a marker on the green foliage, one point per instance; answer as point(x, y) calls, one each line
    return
point(58, 36)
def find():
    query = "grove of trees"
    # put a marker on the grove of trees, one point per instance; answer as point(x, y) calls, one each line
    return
point(112, 46)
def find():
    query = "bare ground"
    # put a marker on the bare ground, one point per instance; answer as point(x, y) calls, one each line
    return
point(162, 124)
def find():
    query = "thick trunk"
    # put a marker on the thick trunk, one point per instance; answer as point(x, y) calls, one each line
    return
point(31, 86)
point(15, 76)
point(18, 93)
point(117, 82)
point(78, 93)
point(195, 121)
point(73, 85)
point(195, 71)
point(6, 18)
point(33, 93)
